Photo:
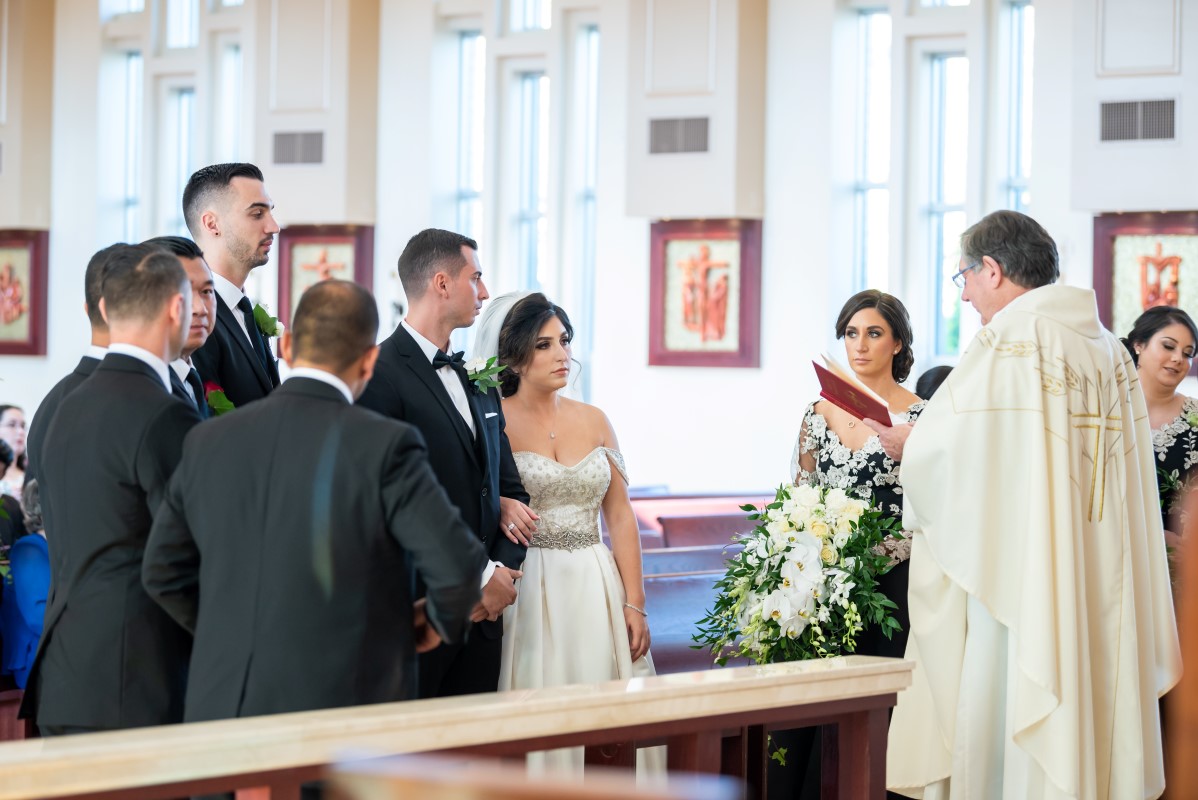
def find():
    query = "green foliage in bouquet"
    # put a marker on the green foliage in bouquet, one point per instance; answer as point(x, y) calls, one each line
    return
point(805, 584)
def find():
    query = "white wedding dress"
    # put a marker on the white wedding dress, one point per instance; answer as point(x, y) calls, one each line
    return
point(567, 624)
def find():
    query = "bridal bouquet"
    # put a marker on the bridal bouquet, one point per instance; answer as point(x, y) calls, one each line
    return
point(804, 586)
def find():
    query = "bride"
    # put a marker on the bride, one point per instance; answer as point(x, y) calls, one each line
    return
point(579, 616)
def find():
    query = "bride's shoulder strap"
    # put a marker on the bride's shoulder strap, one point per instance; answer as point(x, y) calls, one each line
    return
point(617, 458)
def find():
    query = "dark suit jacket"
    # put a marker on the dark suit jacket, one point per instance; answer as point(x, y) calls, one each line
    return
point(228, 359)
point(292, 568)
point(36, 439)
point(109, 656)
point(475, 473)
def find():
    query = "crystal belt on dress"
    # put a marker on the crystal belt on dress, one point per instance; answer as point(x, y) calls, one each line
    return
point(558, 539)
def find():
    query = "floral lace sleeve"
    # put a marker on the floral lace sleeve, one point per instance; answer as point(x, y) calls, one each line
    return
point(803, 458)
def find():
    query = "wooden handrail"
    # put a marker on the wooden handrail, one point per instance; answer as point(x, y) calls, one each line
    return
point(691, 711)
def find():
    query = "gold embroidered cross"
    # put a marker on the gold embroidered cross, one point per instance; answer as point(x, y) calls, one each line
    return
point(1099, 424)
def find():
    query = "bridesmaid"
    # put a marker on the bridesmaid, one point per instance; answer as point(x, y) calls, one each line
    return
point(1162, 344)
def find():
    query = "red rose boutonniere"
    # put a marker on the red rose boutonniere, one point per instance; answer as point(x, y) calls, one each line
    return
point(216, 398)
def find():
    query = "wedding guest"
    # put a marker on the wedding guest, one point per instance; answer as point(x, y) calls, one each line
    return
point(23, 609)
point(12, 432)
point(1042, 624)
point(93, 281)
point(231, 218)
point(185, 380)
point(930, 381)
point(98, 510)
point(571, 465)
point(1162, 343)
point(12, 526)
point(306, 604)
point(417, 381)
point(834, 449)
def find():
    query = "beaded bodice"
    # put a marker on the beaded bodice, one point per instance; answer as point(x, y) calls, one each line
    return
point(567, 499)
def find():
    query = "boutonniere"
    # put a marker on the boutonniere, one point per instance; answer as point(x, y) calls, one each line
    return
point(267, 325)
point(484, 372)
point(216, 398)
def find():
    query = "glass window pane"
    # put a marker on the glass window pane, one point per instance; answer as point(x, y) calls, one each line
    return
point(876, 92)
point(534, 177)
point(132, 125)
point(531, 15)
point(229, 124)
point(947, 229)
point(178, 161)
point(955, 125)
point(182, 23)
point(877, 239)
point(472, 75)
point(940, 3)
point(232, 2)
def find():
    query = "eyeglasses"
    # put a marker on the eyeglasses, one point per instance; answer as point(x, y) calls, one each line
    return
point(958, 278)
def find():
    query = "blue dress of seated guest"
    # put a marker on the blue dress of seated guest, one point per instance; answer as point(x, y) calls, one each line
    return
point(24, 606)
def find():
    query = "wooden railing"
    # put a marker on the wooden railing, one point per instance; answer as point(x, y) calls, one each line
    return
point(713, 721)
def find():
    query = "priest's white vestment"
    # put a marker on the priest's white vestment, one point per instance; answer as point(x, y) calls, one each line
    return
point(1041, 615)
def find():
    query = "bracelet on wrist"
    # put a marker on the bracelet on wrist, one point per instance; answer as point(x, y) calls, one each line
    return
point(638, 610)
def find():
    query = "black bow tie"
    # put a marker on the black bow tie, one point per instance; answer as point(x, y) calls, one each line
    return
point(457, 360)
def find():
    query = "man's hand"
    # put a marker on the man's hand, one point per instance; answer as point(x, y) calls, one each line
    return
point(516, 520)
point(498, 594)
point(894, 438)
point(426, 635)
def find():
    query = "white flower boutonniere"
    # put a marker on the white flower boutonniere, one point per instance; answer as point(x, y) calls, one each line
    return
point(268, 326)
point(484, 372)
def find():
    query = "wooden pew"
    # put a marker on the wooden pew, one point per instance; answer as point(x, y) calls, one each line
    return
point(698, 558)
point(711, 722)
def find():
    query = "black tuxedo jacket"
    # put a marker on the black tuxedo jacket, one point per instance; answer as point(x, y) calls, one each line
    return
point(474, 471)
point(292, 568)
point(36, 438)
point(109, 657)
point(228, 360)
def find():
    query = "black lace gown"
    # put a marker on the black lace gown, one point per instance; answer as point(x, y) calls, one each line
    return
point(1175, 445)
point(869, 474)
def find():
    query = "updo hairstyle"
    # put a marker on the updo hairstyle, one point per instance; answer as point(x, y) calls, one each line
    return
point(518, 336)
point(895, 314)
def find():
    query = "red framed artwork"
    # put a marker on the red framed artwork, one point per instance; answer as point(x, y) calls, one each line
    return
point(705, 293)
point(312, 253)
point(23, 259)
point(1143, 260)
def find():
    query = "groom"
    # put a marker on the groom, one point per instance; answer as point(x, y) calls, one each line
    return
point(417, 381)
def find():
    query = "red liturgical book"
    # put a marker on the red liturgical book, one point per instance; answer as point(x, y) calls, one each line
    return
point(850, 396)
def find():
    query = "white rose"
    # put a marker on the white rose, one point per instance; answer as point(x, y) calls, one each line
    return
point(840, 539)
point(476, 365)
point(805, 495)
point(836, 499)
point(799, 516)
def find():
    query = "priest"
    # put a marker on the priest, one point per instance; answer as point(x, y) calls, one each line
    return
point(1042, 623)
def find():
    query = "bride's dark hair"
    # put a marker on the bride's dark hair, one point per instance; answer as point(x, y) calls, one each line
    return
point(518, 336)
point(895, 314)
point(1152, 322)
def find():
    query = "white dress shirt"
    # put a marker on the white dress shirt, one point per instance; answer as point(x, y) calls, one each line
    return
point(231, 295)
point(449, 377)
point(146, 357)
point(96, 352)
point(453, 385)
point(323, 377)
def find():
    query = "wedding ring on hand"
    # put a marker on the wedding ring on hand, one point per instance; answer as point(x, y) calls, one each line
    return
point(511, 526)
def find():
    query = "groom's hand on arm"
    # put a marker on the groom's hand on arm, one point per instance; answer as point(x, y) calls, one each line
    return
point(498, 594)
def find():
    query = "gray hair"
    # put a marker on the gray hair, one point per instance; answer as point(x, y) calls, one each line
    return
point(1026, 252)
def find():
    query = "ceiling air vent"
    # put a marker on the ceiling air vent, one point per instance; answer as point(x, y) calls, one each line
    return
point(683, 135)
point(1140, 119)
point(299, 148)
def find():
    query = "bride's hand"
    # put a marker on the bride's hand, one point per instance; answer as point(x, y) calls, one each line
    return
point(638, 632)
point(516, 520)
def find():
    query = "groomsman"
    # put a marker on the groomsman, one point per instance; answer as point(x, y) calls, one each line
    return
point(230, 217)
point(296, 584)
point(415, 380)
point(109, 657)
point(93, 279)
point(185, 380)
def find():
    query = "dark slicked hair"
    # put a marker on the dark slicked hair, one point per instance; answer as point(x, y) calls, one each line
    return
point(178, 245)
point(519, 334)
point(208, 182)
point(334, 324)
point(429, 252)
point(93, 282)
point(1027, 253)
point(895, 314)
point(137, 289)
point(1152, 322)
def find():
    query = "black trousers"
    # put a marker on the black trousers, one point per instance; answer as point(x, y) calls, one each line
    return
point(454, 669)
